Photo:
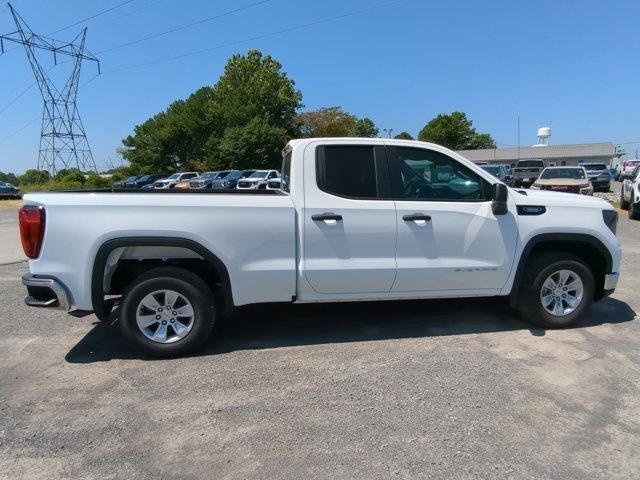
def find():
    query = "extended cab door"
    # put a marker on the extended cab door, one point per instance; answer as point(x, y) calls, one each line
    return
point(448, 236)
point(349, 221)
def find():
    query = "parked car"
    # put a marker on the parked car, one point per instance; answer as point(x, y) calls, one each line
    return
point(526, 172)
point(122, 183)
point(599, 176)
point(258, 180)
point(625, 168)
point(630, 194)
point(228, 179)
point(342, 229)
point(144, 180)
point(500, 172)
point(564, 179)
point(8, 190)
point(204, 180)
point(171, 180)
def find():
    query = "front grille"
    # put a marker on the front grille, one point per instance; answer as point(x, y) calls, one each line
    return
point(562, 188)
point(196, 184)
point(244, 184)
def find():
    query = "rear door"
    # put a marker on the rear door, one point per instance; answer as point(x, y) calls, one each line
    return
point(448, 237)
point(349, 220)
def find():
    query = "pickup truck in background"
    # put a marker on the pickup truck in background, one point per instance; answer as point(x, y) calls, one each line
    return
point(355, 220)
point(526, 172)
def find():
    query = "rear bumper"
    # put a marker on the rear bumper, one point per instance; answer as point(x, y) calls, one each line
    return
point(46, 293)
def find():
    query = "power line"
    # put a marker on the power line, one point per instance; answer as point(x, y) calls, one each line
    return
point(145, 7)
point(184, 27)
point(92, 16)
point(257, 37)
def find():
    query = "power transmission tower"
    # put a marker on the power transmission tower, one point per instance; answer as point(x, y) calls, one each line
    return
point(63, 141)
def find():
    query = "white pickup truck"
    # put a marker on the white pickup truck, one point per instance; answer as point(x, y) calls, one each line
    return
point(355, 220)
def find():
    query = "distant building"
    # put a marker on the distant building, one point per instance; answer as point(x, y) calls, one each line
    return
point(558, 155)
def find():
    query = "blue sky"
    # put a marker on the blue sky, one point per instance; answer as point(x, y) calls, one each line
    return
point(574, 64)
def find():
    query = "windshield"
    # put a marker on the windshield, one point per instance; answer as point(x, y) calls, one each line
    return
point(595, 166)
point(259, 174)
point(209, 175)
point(131, 179)
point(530, 163)
point(493, 170)
point(568, 173)
point(175, 176)
point(144, 178)
point(233, 175)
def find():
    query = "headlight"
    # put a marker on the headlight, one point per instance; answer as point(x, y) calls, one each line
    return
point(610, 218)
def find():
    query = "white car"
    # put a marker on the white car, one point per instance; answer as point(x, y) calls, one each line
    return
point(172, 180)
point(625, 168)
point(630, 194)
point(357, 219)
point(258, 180)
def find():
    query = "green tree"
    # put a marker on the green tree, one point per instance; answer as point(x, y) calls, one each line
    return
point(33, 176)
point(253, 101)
point(9, 178)
point(255, 145)
point(326, 122)
point(404, 136)
point(455, 131)
point(365, 128)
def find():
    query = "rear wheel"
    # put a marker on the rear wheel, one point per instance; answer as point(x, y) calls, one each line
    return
point(167, 312)
point(556, 290)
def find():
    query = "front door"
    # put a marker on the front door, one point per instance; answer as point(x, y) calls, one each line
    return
point(448, 236)
point(349, 228)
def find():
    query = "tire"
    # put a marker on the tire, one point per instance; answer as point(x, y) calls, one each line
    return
point(196, 327)
point(634, 211)
point(538, 271)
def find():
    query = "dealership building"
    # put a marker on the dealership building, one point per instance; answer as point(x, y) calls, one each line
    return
point(558, 155)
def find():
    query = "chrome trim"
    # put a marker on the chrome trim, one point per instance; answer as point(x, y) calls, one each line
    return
point(52, 284)
point(611, 281)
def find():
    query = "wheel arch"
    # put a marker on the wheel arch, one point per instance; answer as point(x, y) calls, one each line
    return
point(585, 246)
point(100, 263)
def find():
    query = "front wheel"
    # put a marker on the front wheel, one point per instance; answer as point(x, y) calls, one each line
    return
point(556, 290)
point(167, 312)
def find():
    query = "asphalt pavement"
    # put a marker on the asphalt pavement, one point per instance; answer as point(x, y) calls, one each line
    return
point(438, 389)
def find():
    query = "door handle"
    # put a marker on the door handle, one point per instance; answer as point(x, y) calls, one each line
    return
point(326, 216)
point(416, 216)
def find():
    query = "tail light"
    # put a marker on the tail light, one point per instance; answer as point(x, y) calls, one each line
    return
point(32, 222)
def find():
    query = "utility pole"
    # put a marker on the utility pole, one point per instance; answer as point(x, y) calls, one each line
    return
point(63, 141)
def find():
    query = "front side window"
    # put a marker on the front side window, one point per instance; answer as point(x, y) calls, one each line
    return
point(348, 171)
point(429, 175)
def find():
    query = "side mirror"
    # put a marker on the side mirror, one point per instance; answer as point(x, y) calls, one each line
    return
point(500, 194)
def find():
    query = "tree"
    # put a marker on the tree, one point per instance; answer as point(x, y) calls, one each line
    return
point(253, 102)
point(33, 176)
point(404, 136)
point(365, 128)
point(455, 131)
point(255, 145)
point(334, 122)
point(326, 122)
point(197, 133)
point(9, 178)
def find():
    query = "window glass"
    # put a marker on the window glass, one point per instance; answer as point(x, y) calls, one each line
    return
point(426, 174)
point(559, 172)
point(286, 168)
point(349, 171)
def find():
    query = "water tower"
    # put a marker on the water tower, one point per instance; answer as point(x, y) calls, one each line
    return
point(543, 137)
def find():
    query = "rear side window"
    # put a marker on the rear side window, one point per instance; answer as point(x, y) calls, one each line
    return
point(347, 171)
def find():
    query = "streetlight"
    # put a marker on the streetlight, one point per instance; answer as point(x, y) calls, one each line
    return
point(388, 131)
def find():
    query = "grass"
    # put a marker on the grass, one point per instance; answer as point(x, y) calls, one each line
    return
point(10, 203)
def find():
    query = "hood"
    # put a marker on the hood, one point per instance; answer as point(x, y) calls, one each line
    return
point(561, 181)
point(550, 198)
